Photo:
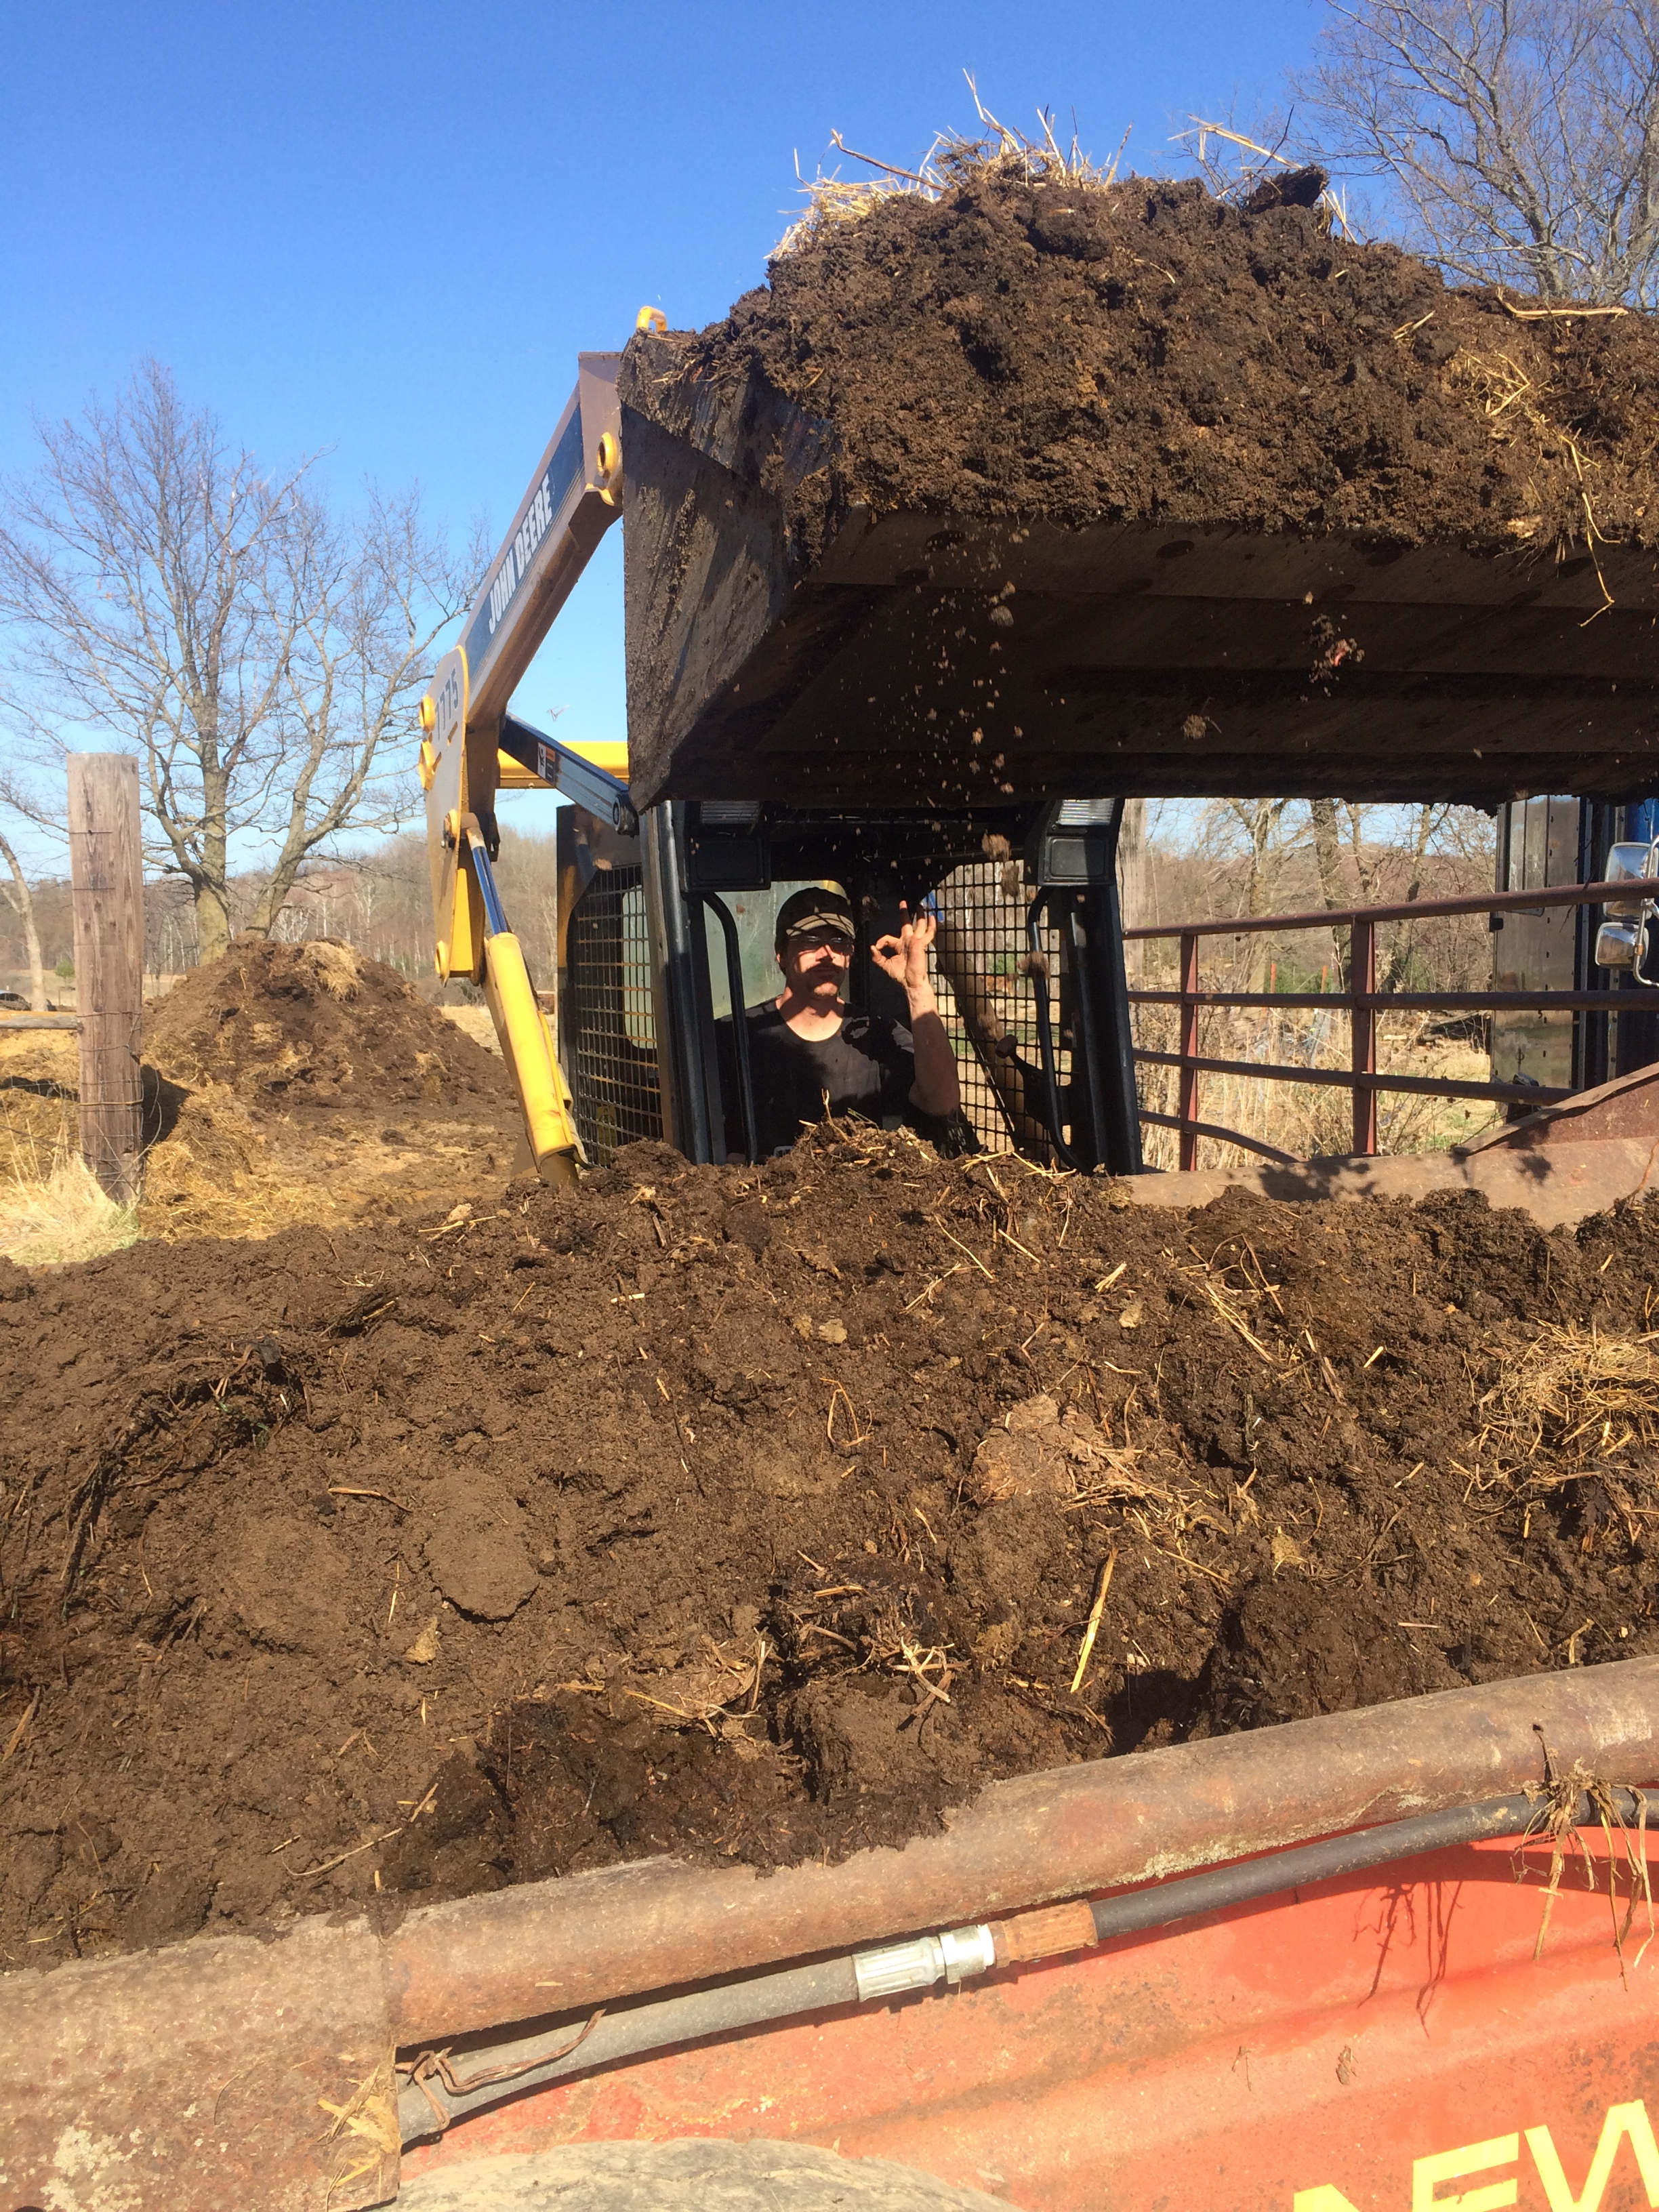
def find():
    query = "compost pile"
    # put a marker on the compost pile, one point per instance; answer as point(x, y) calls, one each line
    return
point(763, 1513)
point(298, 1029)
point(1145, 352)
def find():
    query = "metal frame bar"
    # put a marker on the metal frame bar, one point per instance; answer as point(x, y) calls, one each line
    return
point(1197, 1129)
point(1245, 925)
point(1039, 973)
point(686, 1119)
point(1086, 1067)
point(1189, 1099)
point(1432, 1002)
point(1075, 868)
point(593, 788)
point(1367, 1080)
point(1362, 1033)
point(1112, 1042)
point(714, 904)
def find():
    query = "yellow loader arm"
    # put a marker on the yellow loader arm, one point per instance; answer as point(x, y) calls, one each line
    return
point(471, 746)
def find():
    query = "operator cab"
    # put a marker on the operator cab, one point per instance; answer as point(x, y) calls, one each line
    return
point(666, 930)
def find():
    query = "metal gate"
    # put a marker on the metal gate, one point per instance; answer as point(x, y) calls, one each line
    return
point(983, 961)
point(609, 1024)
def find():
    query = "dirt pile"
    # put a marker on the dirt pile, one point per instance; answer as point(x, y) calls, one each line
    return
point(293, 1029)
point(283, 1083)
point(761, 1513)
point(1145, 352)
point(290, 1083)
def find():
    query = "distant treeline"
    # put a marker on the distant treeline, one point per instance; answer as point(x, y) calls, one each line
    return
point(1225, 858)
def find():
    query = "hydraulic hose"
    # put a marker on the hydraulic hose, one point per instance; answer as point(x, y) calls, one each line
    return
point(436, 2091)
point(1281, 1870)
point(439, 2087)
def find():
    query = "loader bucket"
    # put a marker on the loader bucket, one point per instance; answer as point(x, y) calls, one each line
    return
point(940, 658)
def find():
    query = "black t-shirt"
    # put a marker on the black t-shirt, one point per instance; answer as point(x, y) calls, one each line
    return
point(867, 1067)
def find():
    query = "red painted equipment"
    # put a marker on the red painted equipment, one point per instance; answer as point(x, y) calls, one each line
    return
point(1376, 2039)
point(1354, 2041)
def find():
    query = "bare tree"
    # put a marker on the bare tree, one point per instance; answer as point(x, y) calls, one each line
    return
point(1328, 864)
point(1258, 827)
point(16, 799)
point(1523, 135)
point(19, 899)
point(1134, 882)
point(260, 656)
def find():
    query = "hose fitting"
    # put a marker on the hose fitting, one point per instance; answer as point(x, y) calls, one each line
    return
point(923, 1960)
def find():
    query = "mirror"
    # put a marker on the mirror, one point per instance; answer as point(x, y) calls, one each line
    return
point(1616, 944)
point(1632, 863)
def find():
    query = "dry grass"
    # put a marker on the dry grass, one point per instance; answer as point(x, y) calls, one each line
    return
point(1508, 398)
point(1307, 1121)
point(337, 967)
point(1558, 1818)
point(37, 1128)
point(1000, 151)
point(62, 1218)
point(1574, 1403)
point(218, 1171)
point(52, 1208)
point(717, 1689)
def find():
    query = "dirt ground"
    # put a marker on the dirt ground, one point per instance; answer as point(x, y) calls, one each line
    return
point(762, 1513)
point(1144, 351)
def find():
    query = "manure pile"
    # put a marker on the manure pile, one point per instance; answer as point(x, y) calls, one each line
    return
point(297, 1029)
point(762, 1513)
point(289, 1083)
point(1143, 352)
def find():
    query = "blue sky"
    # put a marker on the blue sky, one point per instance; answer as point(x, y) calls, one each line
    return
point(386, 230)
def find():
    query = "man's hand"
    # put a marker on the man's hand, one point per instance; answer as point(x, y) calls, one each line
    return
point(937, 1088)
point(904, 958)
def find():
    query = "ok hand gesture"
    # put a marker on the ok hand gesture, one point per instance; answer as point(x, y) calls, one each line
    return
point(904, 958)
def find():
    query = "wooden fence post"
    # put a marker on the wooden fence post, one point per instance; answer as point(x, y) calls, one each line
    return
point(107, 881)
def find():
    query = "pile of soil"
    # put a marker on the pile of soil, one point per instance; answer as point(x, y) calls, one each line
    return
point(287, 1082)
point(1145, 352)
point(293, 1029)
point(759, 1513)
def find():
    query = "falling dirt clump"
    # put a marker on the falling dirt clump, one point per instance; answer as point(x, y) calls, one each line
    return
point(759, 1513)
point(1077, 352)
point(294, 1028)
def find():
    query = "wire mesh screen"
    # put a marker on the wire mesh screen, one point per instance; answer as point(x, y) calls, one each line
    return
point(988, 1006)
point(611, 1028)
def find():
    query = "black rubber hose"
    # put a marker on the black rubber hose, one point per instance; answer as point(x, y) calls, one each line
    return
point(491, 2073)
point(1278, 1871)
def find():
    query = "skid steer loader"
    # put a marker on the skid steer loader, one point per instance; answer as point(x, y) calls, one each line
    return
point(664, 914)
point(773, 721)
point(1295, 1969)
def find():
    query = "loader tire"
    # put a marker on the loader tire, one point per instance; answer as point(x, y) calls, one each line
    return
point(692, 2174)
